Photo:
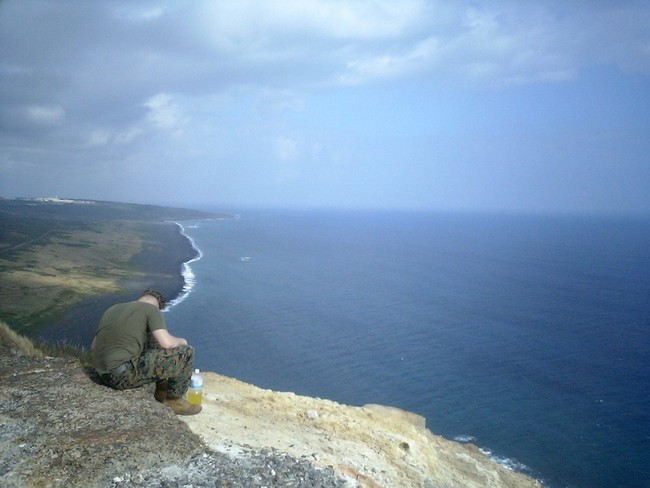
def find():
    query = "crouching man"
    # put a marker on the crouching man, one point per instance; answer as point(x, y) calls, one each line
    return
point(132, 347)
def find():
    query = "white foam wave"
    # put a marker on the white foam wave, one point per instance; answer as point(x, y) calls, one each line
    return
point(189, 278)
point(509, 463)
point(464, 438)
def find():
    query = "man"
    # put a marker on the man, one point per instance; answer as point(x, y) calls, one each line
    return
point(132, 347)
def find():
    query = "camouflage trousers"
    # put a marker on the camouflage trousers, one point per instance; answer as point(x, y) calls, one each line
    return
point(171, 366)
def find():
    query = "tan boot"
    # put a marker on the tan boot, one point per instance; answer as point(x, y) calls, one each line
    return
point(161, 391)
point(180, 406)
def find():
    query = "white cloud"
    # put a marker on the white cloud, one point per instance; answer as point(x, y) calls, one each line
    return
point(99, 137)
point(139, 12)
point(247, 20)
point(417, 58)
point(499, 43)
point(164, 113)
point(46, 115)
point(128, 135)
point(286, 148)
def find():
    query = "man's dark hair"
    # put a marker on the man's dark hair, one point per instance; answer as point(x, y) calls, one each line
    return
point(157, 295)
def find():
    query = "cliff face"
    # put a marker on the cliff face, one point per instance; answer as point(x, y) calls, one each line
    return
point(58, 427)
point(370, 446)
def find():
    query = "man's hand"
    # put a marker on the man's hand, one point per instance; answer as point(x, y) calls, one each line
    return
point(168, 341)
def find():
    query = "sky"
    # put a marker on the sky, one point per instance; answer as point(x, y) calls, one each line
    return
point(517, 106)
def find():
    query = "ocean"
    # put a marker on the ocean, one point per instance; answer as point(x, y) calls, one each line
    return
point(528, 336)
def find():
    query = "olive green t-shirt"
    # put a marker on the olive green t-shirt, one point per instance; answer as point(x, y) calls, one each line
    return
point(122, 333)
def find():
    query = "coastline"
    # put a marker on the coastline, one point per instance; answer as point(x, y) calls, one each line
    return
point(163, 264)
point(189, 280)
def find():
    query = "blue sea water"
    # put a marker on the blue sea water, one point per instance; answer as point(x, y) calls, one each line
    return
point(528, 336)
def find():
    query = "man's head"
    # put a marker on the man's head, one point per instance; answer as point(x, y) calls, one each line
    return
point(157, 295)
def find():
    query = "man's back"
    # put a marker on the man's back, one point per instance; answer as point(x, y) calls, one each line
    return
point(122, 333)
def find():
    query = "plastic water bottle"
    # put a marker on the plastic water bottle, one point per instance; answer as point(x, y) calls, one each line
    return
point(195, 393)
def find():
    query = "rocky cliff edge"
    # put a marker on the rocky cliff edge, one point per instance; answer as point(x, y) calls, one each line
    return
point(59, 427)
point(370, 446)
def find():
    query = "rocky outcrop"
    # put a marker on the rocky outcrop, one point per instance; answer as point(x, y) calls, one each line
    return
point(59, 427)
point(370, 446)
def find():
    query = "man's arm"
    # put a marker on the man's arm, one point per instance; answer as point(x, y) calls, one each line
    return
point(168, 341)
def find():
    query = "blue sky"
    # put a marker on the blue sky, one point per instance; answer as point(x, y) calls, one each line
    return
point(519, 106)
